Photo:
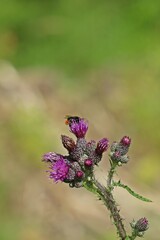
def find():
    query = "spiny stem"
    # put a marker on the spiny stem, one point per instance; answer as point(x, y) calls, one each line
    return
point(106, 196)
point(134, 235)
point(110, 203)
point(110, 175)
point(112, 206)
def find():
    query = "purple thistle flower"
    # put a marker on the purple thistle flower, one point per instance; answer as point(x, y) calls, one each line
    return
point(59, 170)
point(79, 128)
point(102, 145)
point(51, 157)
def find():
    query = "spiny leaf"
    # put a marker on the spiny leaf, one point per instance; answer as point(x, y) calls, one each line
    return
point(119, 184)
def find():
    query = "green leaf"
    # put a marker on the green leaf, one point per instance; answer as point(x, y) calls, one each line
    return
point(119, 184)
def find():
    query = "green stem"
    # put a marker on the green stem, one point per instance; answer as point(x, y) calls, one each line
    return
point(134, 235)
point(106, 196)
point(110, 175)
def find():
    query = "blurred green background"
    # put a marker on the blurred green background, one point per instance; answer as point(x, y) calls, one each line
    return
point(97, 59)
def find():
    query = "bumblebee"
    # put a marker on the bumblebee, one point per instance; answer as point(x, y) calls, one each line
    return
point(70, 119)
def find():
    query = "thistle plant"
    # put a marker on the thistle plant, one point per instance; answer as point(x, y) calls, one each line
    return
point(77, 170)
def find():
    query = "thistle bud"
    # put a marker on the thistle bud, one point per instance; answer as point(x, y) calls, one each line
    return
point(88, 162)
point(68, 143)
point(125, 141)
point(79, 174)
point(102, 146)
point(141, 225)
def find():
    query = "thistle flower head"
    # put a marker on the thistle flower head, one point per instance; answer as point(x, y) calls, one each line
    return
point(79, 128)
point(59, 170)
point(102, 146)
point(51, 157)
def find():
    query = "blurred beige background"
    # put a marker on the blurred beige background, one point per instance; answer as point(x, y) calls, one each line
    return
point(99, 60)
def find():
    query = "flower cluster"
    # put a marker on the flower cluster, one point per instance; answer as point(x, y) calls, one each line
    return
point(76, 168)
point(119, 150)
point(82, 156)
